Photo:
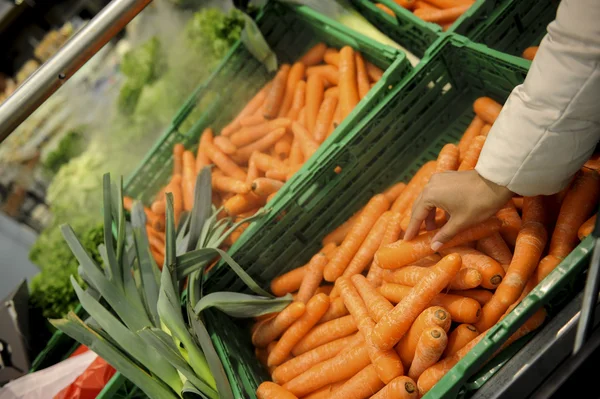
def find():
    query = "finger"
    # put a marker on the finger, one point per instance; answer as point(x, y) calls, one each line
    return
point(446, 233)
point(430, 220)
point(420, 211)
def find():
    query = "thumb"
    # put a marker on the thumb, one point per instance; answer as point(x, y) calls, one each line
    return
point(446, 233)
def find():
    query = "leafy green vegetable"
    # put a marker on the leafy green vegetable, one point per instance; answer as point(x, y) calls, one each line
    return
point(144, 64)
point(71, 145)
point(214, 31)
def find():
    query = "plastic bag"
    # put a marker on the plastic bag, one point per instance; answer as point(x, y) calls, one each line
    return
point(89, 384)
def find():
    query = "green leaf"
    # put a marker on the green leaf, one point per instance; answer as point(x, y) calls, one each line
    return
point(76, 329)
point(189, 391)
point(170, 242)
point(121, 229)
point(193, 260)
point(240, 305)
point(256, 44)
point(113, 265)
point(245, 277)
point(201, 210)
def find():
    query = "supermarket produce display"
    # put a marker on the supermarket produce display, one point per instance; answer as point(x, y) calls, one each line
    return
point(256, 242)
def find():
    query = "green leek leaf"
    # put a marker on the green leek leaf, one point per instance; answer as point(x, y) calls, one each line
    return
point(202, 206)
point(113, 266)
point(240, 305)
point(256, 44)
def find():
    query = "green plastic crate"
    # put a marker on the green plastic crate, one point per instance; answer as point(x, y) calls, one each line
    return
point(119, 387)
point(289, 31)
point(509, 26)
point(406, 130)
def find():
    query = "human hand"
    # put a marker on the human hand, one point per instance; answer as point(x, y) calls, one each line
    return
point(466, 197)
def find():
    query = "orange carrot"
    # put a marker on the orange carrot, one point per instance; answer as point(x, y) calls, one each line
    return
point(461, 336)
point(462, 309)
point(288, 282)
point(349, 96)
point(224, 163)
point(441, 16)
point(433, 316)
point(315, 308)
point(396, 323)
point(312, 277)
point(448, 158)
point(270, 330)
point(480, 295)
point(270, 390)
point(485, 130)
point(275, 96)
point(249, 109)
point(360, 386)
point(495, 247)
point(188, 181)
point(228, 184)
point(357, 234)
point(385, 9)
point(472, 131)
point(511, 223)
point(362, 76)
point(466, 278)
point(284, 146)
point(298, 101)
point(243, 154)
point(530, 52)
point(392, 234)
point(296, 75)
point(241, 203)
point(328, 73)
point(178, 150)
point(375, 73)
point(296, 156)
point(325, 392)
point(448, 3)
point(202, 159)
point(325, 333)
point(338, 118)
point(487, 109)
point(387, 363)
point(340, 232)
point(332, 92)
point(336, 310)
point(472, 156)
point(518, 201)
point(250, 134)
point(252, 120)
point(587, 227)
point(225, 145)
point(370, 245)
point(429, 349)
point(400, 388)
point(159, 206)
point(174, 188)
point(403, 253)
point(394, 191)
point(314, 55)
point(308, 145)
point(491, 271)
point(408, 4)
point(377, 305)
point(264, 162)
point(332, 56)
point(324, 118)
point(405, 200)
point(264, 187)
point(314, 98)
point(531, 241)
point(277, 174)
point(424, 4)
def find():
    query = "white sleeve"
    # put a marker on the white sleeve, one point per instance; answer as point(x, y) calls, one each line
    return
point(550, 124)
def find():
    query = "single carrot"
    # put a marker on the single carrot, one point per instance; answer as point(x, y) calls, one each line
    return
point(228, 184)
point(298, 101)
point(441, 16)
point(288, 282)
point(408, 4)
point(487, 109)
point(339, 233)
point(424, 4)
point(361, 75)
point(433, 316)
point(249, 109)
point(250, 134)
point(202, 159)
point(278, 174)
point(448, 3)
point(332, 56)
point(178, 150)
point(295, 75)
point(284, 146)
point(332, 92)
point(252, 120)
point(461, 336)
point(314, 55)
point(403, 253)
point(263, 186)
point(336, 310)
point(375, 73)
point(465, 279)
point(448, 158)
point(518, 201)
point(241, 203)
point(296, 157)
point(188, 181)
point(593, 162)
point(325, 333)
point(385, 9)
point(485, 130)
point(338, 117)
point(307, 143)
point(392, 327)
point(270, 390)
point(328, 73)
point(400, 388)
point(495, 247)
point(480, 295)
point(324, 118)
point(270, 330)
point(157, 244)
point(491, 271)
point(252, 172)
point(325, 392)
point(349, 96)
point(587, 227)
point(511, 223)
point(462, 309)
point(405, 200)
point(386, 361)
point(226, 164)
point(472, 155)
point(297, 365)
point(315, 308)
point(360, 386)
point(429, 349)
point(312, 277)
point(530, 52)
point(377, 305)
point(275, 96)
point(393, 191)
point(243, 154)
point(225, 145)
point(264, 162)
point(314, 98)
point(174, 188)
point(159, 206)
point(531, 242)
point(370, 245)
point(472, 131)
point(357, 234)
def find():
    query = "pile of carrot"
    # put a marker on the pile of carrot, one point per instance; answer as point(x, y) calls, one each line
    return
point(375, 316)
point(441, 12)
point(270, 139)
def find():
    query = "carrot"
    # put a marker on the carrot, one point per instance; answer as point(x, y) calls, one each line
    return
point(270, 390)
point(429, 349)
point(229, 185)
point(174, 188)
point(328, 73)
point(249, 109)
point(295, 75)
point(271, 329)
point(593, 162)
point(357, 234)
point(495, 247)
point(188, 181)
point(178, 150)
point(375, 73)
point(577, 206)
point(288, 282)
point(433, 316)
point(243, 154)
point(361, 75)
point(314, 55)
point(314, 98)
point(480, 295)
point(263, 186)
point(360, 386)
point(424, 4)
point(403, 253)
point(252, 120)
point(224, 163)
point(392, 327)
point(324, 118)
point(487, 109)
point(587, 228)
point(511, 223)
point(308, 145)
point(336, 310)
point(332, 92)
point(298, 101)
point(530, 52)
point(377, 305)
point(275, 96)
point(448, 158)
point(472, 155)
point(296, 156)
point(491, 271)
point(159, 206)
point(312, 277)
point(485, 130)
point(448, 3)
point(250, 134)
point(202, 159)
point(441, 16)
point(408, 4)
point(466, 278)
point(462, 309)
point(394, 191)
point(340, 232)
point(157, 244)
point(385, 9)
point(315, 308)
point(325, 333)
point(472, 131)
point(387, 363)
point(241, 203)
point(349, 96)
point(370, 245)
point(325, 392)
point(284, 146)
point(400, 388)
point(411, 192)
point(518, 201)
point(461, 336)
point(332, 56)
point(225, 145)
point(528, 250)
point(264, 162)
point(277, 174)
point(337, 117)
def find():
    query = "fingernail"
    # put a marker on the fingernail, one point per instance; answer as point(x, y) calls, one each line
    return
point(436, 245)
